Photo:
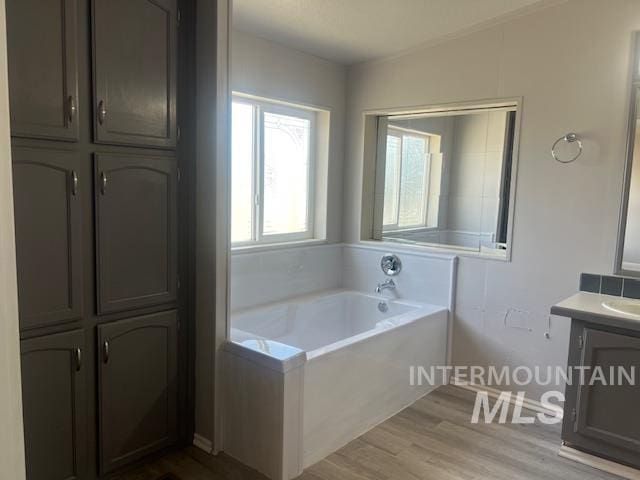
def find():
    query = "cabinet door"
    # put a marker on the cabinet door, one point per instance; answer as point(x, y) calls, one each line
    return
point(137, 391)
point(135, 231)
point(54, 407)
point(135, 72)
point(48, 236)
point(43, 68)
point(609, 412)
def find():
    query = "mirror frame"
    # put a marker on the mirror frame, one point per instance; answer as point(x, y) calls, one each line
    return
point(631, 134)
point(370, 179)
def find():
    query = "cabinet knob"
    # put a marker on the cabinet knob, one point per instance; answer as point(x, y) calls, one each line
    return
point(105, 351)
point(103, 183)
point(102, 111)
point(71, 102)
point(78, 359)
point(74, 183)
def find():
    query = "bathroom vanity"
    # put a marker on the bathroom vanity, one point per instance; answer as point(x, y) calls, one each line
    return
point(603, 419)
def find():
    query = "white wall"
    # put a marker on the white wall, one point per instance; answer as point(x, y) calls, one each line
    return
point(570, 63)
point(272, 70)
point(11, 433)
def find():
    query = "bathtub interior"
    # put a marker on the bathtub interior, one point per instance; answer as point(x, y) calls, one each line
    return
point(314, 322)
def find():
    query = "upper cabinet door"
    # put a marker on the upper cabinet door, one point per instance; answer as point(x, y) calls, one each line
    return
point(135, 72)
point(53, 399)
point(43, 68)
point(48, 236)
point(135, 231)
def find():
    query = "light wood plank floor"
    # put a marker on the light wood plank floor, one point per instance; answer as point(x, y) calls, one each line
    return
point(432, 439)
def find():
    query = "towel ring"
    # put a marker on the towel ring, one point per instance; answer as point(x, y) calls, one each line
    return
point(569, 138)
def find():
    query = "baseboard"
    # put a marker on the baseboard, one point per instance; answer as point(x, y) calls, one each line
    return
point(202, 443)
point(599, 463)
point(532, 405)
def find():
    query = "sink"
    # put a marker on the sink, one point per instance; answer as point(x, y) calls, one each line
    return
point(628, 307)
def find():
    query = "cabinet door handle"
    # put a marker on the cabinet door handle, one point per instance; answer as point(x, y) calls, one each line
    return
point(74, 183)
point(102, 111)
point(72, 108)
point(103, 183)
point(78, 359)
point(105, 351)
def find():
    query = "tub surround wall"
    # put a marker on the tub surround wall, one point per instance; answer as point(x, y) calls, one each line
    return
point(425, 277)
point(269, 276)
point(263, 412)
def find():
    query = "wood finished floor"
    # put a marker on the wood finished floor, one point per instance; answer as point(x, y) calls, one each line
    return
point(431, 440)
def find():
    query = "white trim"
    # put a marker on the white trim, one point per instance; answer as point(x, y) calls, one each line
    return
point(202, 443)
point(598, 463)
point(266, 247)
point(12, 461)
point(262, 106)
point(494, 393)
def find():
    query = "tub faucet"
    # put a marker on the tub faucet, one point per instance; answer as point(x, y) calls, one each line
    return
point(388, 284)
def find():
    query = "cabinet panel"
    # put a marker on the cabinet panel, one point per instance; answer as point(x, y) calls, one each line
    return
point(48, 236)
point(135, 231)
point(138, 390)
point(43, 68)
point(54, 407)
point(135, 72)
point(608, 412)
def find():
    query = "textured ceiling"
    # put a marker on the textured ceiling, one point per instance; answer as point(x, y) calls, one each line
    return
point(352, 31)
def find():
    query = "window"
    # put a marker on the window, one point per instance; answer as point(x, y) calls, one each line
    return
point(406, 180)
point(272, 170)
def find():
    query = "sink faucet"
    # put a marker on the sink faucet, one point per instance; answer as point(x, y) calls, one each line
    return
point(388, 284)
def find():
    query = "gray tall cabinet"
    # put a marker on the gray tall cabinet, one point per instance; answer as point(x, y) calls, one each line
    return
point(94, 124)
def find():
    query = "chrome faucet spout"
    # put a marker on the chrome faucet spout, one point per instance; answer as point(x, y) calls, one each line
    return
point(388, 284)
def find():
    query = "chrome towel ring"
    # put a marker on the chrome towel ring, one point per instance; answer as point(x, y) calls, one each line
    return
point(569, 138)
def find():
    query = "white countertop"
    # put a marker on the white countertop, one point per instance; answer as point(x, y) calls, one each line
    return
point(588, 307)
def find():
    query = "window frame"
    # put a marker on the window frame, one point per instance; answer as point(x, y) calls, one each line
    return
point(260, 107)
point(400, 132)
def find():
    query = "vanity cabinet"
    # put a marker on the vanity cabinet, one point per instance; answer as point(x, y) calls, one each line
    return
point(48, 236)
point(135, 231)
point(134, 62)
point(603, 419)
point(137, 387)
point(43, 68)
point(54, 406)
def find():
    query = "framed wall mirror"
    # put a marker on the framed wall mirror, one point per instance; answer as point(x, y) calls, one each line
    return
point(445, 177)
point(628, 249)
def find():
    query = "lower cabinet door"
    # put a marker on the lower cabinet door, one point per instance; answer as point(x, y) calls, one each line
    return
point(608, 413)
point(54, 406)
point(137, 388)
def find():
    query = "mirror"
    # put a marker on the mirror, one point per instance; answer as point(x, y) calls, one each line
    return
point(444, 177)
point(628, 251)
point(629, 261)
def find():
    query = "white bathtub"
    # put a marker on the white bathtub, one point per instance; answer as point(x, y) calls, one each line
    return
point(315, 372)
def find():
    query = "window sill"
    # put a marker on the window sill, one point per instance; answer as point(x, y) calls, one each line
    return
point(265, 247)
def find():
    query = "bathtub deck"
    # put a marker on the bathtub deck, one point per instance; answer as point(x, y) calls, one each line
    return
point(432, 439)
